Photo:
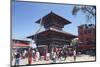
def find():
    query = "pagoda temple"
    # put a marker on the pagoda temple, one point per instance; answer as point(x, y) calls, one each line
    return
point(53, 36)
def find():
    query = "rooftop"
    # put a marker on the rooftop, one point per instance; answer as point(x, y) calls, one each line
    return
point(52, 30)
point(53, 16)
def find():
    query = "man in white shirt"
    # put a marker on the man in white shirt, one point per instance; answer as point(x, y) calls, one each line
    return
point(74, 54)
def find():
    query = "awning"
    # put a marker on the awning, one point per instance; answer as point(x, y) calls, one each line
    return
point(20, 45)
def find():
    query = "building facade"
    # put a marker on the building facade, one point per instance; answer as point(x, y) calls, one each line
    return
point(87, 36)
point(20, 45)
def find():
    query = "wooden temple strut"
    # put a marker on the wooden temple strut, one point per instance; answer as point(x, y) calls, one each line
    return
point(35, 37)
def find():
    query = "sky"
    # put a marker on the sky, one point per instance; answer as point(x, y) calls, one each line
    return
point(24, 15)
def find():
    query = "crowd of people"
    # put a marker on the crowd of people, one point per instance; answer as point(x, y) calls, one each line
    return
point(34, 55)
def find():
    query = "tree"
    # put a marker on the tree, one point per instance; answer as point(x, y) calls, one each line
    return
point(89, 11)
point(74, 42)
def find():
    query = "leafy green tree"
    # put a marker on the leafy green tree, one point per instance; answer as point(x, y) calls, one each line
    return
point(74, 42)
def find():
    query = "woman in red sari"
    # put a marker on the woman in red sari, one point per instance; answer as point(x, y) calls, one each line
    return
point(30, 56)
